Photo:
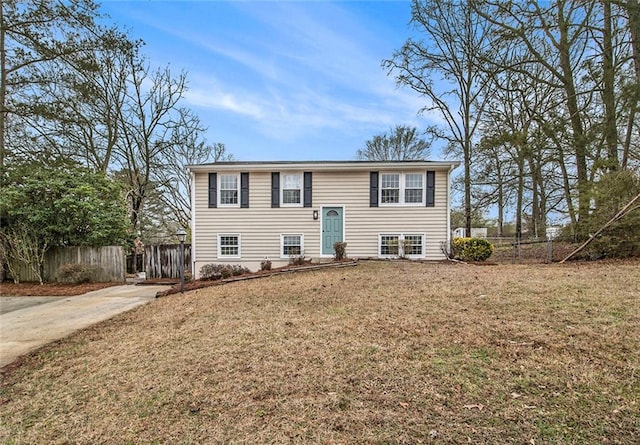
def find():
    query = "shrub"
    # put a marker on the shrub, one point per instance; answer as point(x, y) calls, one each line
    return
point(622, 238)
point(340, 250)
point(237, 270)
point(75, 273)
point(265, 265)
point(297, 260)
point(220, 271)
point(471, 249)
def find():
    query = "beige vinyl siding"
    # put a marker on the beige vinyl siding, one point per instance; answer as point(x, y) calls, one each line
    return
point(260, 226)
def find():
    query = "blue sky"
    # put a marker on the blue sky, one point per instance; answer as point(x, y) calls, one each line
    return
point(282, 80)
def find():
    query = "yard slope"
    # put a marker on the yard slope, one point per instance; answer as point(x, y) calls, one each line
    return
point(380, 353)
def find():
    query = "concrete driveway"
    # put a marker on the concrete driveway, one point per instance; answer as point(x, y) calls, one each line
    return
point(46, 319)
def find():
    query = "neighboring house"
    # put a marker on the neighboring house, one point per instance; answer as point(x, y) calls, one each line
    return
point(246, 212)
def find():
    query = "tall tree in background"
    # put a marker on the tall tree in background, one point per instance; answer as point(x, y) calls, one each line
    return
point(400, 144)
point(443, 68)
point(555, 39)
point(150, 124)
point(34, 36)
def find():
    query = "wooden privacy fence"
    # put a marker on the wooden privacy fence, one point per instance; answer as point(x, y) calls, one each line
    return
point(163, 260)
point(108, 260)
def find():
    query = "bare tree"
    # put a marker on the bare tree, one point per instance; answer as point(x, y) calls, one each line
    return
point(173, 179)
point(401, 143)
point(443, 69)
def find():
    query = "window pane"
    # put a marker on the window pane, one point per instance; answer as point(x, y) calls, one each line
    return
point(291, 196)
point(413, 195)
point(291, 181)
point(229, 245)
point(391, 181)
point(389, 244)
point(292, 245)
point(228, 182)
point(413, 181)
point(390, 196)
point(228, 196)
point(412, 244)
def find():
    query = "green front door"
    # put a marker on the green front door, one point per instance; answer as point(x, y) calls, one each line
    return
point(332, 230)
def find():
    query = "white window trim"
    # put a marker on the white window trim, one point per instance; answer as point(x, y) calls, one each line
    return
point(380, 235)
point(401, 237)
point(282, 235)
point(282, 203)
point(220, 255)
point(220, 175)
point(401, 202)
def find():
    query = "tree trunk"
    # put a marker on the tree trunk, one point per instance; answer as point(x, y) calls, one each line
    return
point(608, 91)
point(579, 137)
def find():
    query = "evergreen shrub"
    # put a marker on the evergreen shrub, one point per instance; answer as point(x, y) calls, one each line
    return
point(471, 249)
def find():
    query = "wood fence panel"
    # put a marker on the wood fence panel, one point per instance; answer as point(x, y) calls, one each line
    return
point(163, 260)
point(109, 261)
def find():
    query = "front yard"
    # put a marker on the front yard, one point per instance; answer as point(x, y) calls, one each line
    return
point(374, 354)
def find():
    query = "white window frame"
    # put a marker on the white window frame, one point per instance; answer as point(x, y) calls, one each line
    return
point(402, 179)
point(282, 236)
point(401, 238)
point(300, 177)
point(220, 236)
point(220, 176)
point(380, 254)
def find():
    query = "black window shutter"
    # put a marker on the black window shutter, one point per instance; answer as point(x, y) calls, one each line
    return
point(275, 189)
point(307, 189)
point(244, 190)
point(431, 188)
point(373, 189)
point(213, 190)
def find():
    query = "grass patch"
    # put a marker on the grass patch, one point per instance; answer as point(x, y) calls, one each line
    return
point(381, 353)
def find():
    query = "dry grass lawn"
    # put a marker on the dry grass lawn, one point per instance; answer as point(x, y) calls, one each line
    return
point(381, 353)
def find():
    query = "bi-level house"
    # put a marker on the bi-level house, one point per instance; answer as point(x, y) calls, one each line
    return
point(246, 212)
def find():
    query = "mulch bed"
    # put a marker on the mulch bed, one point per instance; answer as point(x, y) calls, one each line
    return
point(200, 284)
point(29, 289)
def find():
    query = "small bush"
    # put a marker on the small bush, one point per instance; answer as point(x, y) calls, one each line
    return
point(75, 273)
point(340, 250)
point(297, 260)
point(265, 265)
point(220, 271)
point(471, 249)
point(237, 270)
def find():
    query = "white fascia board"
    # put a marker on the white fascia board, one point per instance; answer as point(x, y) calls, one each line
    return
point(323, 166)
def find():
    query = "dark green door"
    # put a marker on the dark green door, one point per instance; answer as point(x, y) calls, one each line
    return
point(332, 230)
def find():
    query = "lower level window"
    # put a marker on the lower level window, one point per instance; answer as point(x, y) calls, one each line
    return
point(401, 245)
point(291, 245)
point(412, 245)
point(389, 245)
point(229, 245)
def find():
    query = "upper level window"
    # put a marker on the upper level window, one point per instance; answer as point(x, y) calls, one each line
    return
point(402, 188)
point(413, 188)
point(390, 188)
point(228, 190)
point(291, 189)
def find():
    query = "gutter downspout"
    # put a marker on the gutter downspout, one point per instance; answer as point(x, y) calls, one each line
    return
point(193, 225)
point(451, 168)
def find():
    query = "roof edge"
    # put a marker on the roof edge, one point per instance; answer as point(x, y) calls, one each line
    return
point(319, 165)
